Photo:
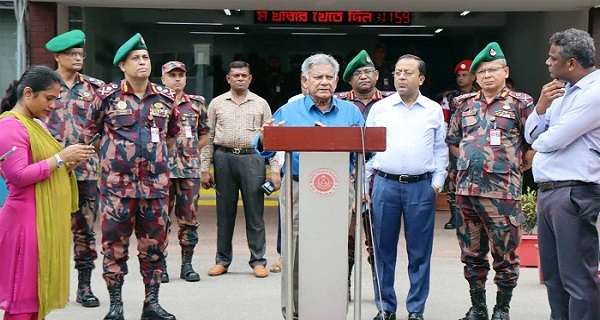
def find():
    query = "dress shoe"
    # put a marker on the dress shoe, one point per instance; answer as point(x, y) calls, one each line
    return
point(276, 267)
point(217, 270)
point(415, 316)
point(385, 315)
point(260, 271)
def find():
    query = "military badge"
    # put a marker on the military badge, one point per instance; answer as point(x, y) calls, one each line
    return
point(122, 105)
point(368, 59)
point(506, 107)
point(492, 52)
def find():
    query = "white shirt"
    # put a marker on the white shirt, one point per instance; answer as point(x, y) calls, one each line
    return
point(415, 138)
point(564, 135)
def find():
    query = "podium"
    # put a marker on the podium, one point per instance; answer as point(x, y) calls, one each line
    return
point(324, 186)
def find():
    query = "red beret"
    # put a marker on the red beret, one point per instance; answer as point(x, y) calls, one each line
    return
point(464, 65)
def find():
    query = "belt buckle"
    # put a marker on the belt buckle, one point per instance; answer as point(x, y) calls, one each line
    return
point(236, 150)
point(401, 177)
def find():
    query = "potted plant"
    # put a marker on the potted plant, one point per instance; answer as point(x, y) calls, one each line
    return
point(527, 250)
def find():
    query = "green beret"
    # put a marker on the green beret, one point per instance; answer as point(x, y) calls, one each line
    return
point(72, 39)
point(362, 59)
point(491, 52)
point(134, 43)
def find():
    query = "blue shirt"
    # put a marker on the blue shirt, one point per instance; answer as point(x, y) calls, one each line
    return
point(304, 113)
point(415, 138)
point(564, 135)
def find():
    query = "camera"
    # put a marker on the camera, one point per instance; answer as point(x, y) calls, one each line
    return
point(268, 187)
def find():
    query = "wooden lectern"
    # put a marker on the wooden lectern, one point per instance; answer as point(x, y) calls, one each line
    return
point(323, 219)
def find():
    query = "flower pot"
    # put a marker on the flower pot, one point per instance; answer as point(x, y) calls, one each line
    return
point(528, 252)
point(441, 202)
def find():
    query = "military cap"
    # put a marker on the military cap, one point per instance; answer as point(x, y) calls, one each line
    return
point(464, 65)
point(362, 59)
point(134, 43)
point(72, 39)
point(172, 65)
point(490, 53)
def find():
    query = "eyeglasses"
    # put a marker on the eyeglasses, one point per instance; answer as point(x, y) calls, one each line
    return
point(490, 70)
point(75, 54)
point(359, 74)
point(399, 73)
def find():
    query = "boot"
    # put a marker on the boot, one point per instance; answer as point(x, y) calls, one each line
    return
point(451, 224)
point(187, 272)
point(85, 296)
point(478, 310)
point(115, 311)
point(165, 276)
point(152, 310)
point(502, 305)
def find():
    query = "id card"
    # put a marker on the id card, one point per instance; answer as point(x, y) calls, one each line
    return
point(154, 132)
point(188, 131)
point(495, 137)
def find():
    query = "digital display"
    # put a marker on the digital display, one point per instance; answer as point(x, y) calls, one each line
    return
point(333, 17)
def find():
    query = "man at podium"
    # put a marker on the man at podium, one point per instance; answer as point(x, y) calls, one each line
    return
point(317, 108)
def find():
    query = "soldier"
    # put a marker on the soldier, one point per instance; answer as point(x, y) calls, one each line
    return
point(486, 136)
point(362, 76)
point(385, 68)
point(135, 118)
point(65, 122)
point(464, 84)
point(184, 163)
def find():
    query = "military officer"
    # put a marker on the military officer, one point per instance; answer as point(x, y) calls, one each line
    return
point(184, 165)
point(135, 118)
point(464, 84)
point(486, 135)
point(65, 122)
point(362, 76)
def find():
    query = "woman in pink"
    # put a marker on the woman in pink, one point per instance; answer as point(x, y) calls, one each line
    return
point(35, 219)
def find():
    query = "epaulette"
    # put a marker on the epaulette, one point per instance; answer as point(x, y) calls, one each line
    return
point(95, 82)
point(342, 95)
point(197, 98)
point(526, 99)
point(387, 93)
point(106, 90)
point(164, 91)
point(460, 99)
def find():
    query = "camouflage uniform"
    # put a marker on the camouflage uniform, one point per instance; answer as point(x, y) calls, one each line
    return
point(489, 183)
point(134, 183)
point(184, 163)
point(66, 122)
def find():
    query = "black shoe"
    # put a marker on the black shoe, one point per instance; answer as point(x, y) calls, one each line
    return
point(449, 225)
point(187, 272)
point(85, 296)
point(165, 277)
point(415, 316)
point(385, 315)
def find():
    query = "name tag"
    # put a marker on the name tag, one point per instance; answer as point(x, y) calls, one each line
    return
point(495, 137)
point(123, 112)
point(188, 131)
point(155, 134)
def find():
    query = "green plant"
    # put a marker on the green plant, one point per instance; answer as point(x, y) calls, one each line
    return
point(529, 209)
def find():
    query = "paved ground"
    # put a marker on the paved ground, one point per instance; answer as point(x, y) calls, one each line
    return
point(239, 295)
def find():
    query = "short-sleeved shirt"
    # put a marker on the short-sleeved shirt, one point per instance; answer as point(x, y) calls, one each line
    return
point(351, 96)
point(184, 157)
point(68, 117)
point(133, 165)
point(486, 170)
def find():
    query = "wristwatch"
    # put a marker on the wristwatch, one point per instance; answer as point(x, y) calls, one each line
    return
point(59, 162)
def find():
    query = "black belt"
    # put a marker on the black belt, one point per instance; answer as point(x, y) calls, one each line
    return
point(295, 178)
point(551, 185)
point(237, 150)
point(404, 178)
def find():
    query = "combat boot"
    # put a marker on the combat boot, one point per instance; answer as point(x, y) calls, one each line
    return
point(451, 224)
point(502, 305)
point(115, 311)
point(187, 272)
point(478, 310)
point(152, 310)
point(85, 296)
point(164, 278)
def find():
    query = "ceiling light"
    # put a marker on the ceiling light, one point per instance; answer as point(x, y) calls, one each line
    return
point(464, 13)
point(190, 23)
point(218, 33)
point(236, 28)
point(298, 28)
point(392, 26)
point(438, 30)
point(319, 34)
point(227, 12)
point(405, 35)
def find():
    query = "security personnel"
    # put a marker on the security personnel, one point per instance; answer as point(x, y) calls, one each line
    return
point(66, 122)
point(486, 134)
point(362, 76)
point(135, 118)
point(464, 84)
point(184, 164)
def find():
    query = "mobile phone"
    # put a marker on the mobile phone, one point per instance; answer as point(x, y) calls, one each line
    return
point(94, 138)
point(8, 153)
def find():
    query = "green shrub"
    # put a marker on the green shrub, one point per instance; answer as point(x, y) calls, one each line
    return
point(529, 209)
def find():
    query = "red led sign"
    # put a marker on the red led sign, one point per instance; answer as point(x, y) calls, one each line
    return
point(333, 17)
